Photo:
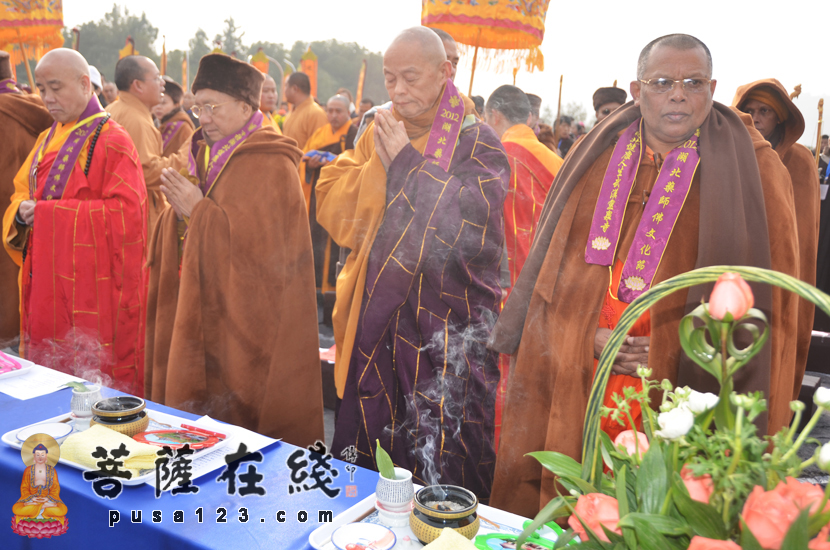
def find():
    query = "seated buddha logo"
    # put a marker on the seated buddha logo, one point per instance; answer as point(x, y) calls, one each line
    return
point(40, 513)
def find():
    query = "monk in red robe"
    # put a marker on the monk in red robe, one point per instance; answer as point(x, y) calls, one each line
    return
point(76, 226)
point(22, 118)
point(532, 169)
point(705, 178)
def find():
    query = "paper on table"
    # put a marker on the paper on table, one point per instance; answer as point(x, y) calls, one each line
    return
point(38, 381)
point(215, 459)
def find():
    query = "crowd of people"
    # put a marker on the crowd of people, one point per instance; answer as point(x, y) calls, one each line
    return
point(470, 259)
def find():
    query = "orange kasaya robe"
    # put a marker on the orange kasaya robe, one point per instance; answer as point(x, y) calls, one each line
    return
point(83, 281)
point(269, 120)
point(22, 118)
point(306, 118)
point(25, 508)
point(533, 167)
point(322, 137)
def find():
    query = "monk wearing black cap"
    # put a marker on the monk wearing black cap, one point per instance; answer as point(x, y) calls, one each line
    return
point(232, 312)
point(781, 123)
point(176, 126)
point(606, 100)
point(22, 118)
point(708, 191)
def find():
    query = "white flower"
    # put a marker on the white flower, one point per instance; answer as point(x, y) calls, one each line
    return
point(682, 393)
point(701, 402)
point(643, 372)
point(824, 457)
point(675, 423)
point(822, 398)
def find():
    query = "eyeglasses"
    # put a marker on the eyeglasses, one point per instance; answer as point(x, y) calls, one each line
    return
point(663, 85)
point(157, 78)
point(207, 109)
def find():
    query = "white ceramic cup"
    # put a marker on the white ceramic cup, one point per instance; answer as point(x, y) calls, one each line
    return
point(82, 402)
point(395, 495)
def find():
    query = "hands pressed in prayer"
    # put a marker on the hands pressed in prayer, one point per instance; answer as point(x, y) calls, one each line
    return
point(26, 211)
point(633, 353)
point(390, 137)
point(180, 192)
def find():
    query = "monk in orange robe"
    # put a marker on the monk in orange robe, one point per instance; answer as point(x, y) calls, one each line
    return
point(268, 103)
point(40, 491)
point(176, 126)
point(232, 315)
point(76, 226)
point(781, 123)
point(738, 210)
point(306, 117)
point(532, 169)
point(22, 117)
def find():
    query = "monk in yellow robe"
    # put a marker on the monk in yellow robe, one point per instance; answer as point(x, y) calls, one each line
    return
point(40, 491)
point(532, 169)
point(306, 117)
point(268, 103)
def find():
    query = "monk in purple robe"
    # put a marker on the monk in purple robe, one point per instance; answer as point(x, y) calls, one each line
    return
point(419, 204)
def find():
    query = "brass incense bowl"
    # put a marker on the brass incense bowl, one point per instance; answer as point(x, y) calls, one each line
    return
point(125, 414)
point(440, 506)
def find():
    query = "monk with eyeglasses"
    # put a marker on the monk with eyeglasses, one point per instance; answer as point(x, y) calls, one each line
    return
point(667, 183)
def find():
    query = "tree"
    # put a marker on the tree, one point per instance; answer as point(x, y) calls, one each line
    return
point(231, 40)
point(101, 40)
point(199, 47)
point(575, 110)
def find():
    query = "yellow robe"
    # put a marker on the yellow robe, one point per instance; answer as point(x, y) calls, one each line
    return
point(25, 508)
point(306, 118)
point(269, 120)
point(322, 137)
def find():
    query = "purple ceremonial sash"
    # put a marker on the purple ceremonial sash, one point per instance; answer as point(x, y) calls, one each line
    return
point(659, 216)
point(220, 152)
point(443, 136)
point(67, 155)
point(8, 86)
point(169, 131)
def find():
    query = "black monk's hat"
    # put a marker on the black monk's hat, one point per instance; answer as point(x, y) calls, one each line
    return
point(225, 74)
point(609, 95)
point(5, 66)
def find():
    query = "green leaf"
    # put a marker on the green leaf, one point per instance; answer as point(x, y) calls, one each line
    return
point(385, 465)
point(796, 537)
point(564, 539)
point(554, 509)
point(693, 341)
point(817, 522)
point(748, 540)
point(651, 481)
point(664, 525)
point(648, 536)
point(724, 411)
point(559, 464)
point(622, 503)
point(77, 386)
point(703, 519)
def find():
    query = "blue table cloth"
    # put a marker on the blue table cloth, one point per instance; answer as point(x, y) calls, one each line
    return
point(89, 515)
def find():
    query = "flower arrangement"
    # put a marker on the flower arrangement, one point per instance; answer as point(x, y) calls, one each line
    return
point(695, 475)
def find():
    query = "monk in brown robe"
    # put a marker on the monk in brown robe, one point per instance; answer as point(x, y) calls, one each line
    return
point(176, 126)
point(306, 117)
point(781, 123)
point(231, 313)
point(738, 211)
point(22, 118)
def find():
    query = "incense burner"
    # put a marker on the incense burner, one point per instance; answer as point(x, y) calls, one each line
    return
point(124, 414)
point(440, 506)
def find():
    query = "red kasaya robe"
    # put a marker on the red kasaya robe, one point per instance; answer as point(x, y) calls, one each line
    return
point(83, 281)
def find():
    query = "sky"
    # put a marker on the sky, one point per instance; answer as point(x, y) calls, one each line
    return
point(591, 43)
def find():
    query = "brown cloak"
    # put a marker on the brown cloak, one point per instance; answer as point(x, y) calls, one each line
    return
point(553, 367)
point(801, 165)
point(236, 336)
point(22, 118)
point(182, 134)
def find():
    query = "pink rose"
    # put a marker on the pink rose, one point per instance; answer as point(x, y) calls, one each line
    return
point(768, 515)
point(700, 488)
point(701, 543)
point(596, 510)
point(803, 495)
point(731, 294)
point(626, 440)
point(821, 542)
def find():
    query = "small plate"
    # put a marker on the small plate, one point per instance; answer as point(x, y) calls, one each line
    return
point(11, 366)
point(176, 439)
point(58, 430)
point(361, 536)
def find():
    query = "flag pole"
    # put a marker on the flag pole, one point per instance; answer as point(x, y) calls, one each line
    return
point(559, 104)
point(818, 133)
point(475, 58)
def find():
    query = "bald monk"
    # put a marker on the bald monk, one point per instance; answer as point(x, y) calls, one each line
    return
point(268, 103)
point(780, 122)
point(532, 169)
point(232, 314)
point(418, 203)
point(140, 87)
point(306, 117)
point(450, 48)
point(76, 226)
point(22, 117)
point(335, 137)
point(176, 126)
point(738, 210)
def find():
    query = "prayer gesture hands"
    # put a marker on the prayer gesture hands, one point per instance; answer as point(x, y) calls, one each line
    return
point(633, 353)
point(180, 192)
point(390, 137)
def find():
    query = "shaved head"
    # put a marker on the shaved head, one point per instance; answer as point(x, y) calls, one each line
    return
point(62, 77)
point(269, 96)
point(415, 70)
point(340, 98)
